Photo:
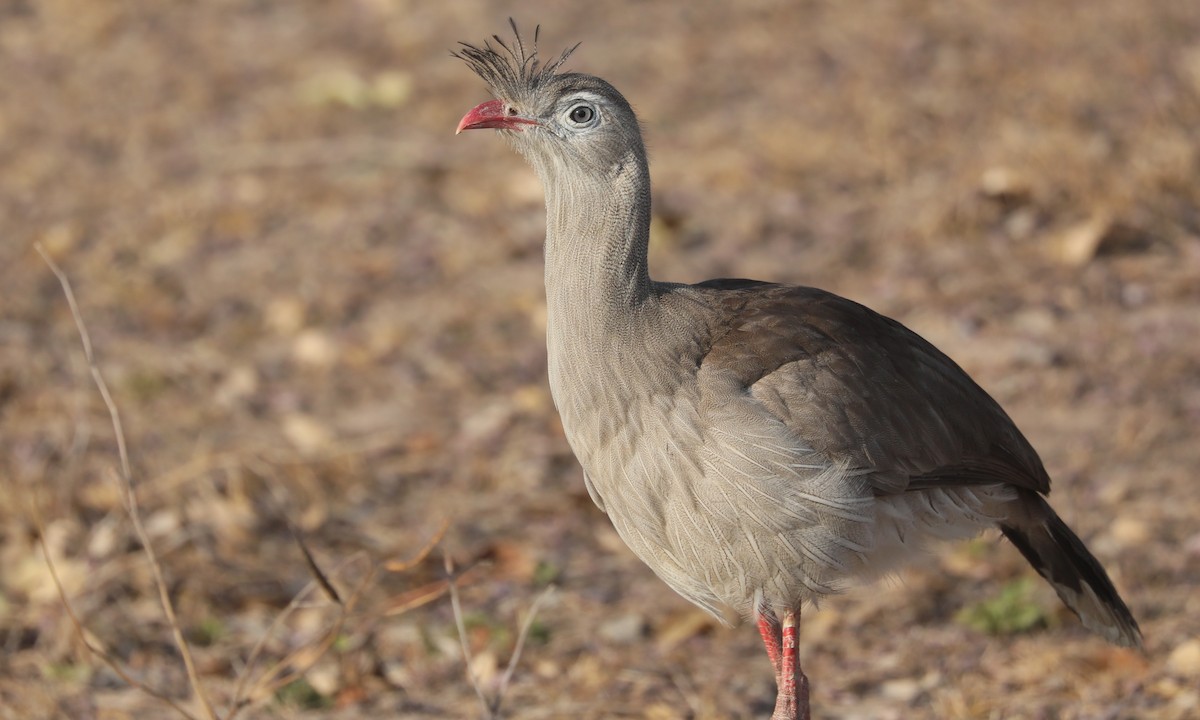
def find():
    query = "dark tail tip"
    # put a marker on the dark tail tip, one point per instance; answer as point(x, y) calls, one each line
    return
point(1061, 558)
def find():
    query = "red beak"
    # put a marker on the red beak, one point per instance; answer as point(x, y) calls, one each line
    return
point(491, 115)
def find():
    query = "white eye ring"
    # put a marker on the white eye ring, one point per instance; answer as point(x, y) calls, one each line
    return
point(582, 115)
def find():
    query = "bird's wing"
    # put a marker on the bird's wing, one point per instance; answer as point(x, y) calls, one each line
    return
point(853, 384)
point(593, 493)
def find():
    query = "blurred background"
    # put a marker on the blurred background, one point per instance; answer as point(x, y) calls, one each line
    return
point(318, 309)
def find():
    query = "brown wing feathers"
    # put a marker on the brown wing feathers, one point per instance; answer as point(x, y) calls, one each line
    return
point(856, 384)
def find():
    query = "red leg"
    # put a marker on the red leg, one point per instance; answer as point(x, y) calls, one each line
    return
point(768, 628)
point(792, 702)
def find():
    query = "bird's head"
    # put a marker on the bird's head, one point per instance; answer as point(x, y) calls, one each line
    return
point(552, 118)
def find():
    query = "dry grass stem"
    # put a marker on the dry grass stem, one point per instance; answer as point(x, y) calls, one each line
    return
point(275, 676)
point(125, 478)
point(311, 563)
point(491, 706)
point(293, 666)
point(516, 654)
point(421, 554)
point(81, 632)
point(461, 625)
point(299, 660)
point(416, 598)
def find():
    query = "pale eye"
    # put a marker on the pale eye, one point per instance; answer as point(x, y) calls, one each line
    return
point(581, 114)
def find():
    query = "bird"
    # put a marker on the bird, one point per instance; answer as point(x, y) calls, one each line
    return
point(758, 445)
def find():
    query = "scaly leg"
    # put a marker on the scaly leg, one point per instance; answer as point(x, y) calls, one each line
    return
point(768, 628)
point(792, 702)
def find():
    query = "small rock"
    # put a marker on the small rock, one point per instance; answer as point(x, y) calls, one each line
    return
point(903, 690)
point(1002, 182)
point(487, 423)
point(104, 538)
point(239, 383)
point(315, 348)
point(396, 673)
point(162, 523)
point(1020, 224)
point(484, 667)
point(1035, 321)
point(285, 315)
point(681, 627)
point(1078, 244)
point(624, 630)
point(306, 433)
point(1185, 659)
point(324, 677)
point(547, 669)
point(1129, 531)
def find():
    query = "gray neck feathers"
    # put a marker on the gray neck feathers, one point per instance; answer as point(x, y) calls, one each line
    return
point(597, 231)
point(599, 297)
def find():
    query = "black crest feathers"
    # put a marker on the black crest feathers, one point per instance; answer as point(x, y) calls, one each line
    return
point(513, 71)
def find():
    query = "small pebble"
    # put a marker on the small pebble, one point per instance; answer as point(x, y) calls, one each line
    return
point(624, 630)
point(1185, 658)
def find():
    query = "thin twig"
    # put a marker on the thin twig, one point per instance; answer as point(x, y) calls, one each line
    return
point(516, 654)
point(250, 687)
point(313, 569)
point(274, 677)
point(491, 706)
point(415, 598)
point(420, 555)
point(252, 659)
point(461, 624)
point(126, 476)
point(426, 593)
point(112, 663)
point(291, 666)
point(240, 695)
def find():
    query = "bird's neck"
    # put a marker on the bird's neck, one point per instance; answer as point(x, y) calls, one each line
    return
point(597, 232)
point(601, 304)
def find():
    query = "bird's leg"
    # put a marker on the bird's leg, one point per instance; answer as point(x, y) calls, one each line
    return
point(792, 702)
point(768, 628)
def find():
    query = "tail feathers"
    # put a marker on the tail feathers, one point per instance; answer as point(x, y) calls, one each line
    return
point(1062, 559)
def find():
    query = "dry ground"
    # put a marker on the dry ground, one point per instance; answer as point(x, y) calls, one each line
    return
point(315, 305)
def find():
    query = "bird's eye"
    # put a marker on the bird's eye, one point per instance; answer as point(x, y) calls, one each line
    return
point(581, 114)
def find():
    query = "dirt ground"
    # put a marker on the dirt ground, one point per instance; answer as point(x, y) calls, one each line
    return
point(316, 308)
